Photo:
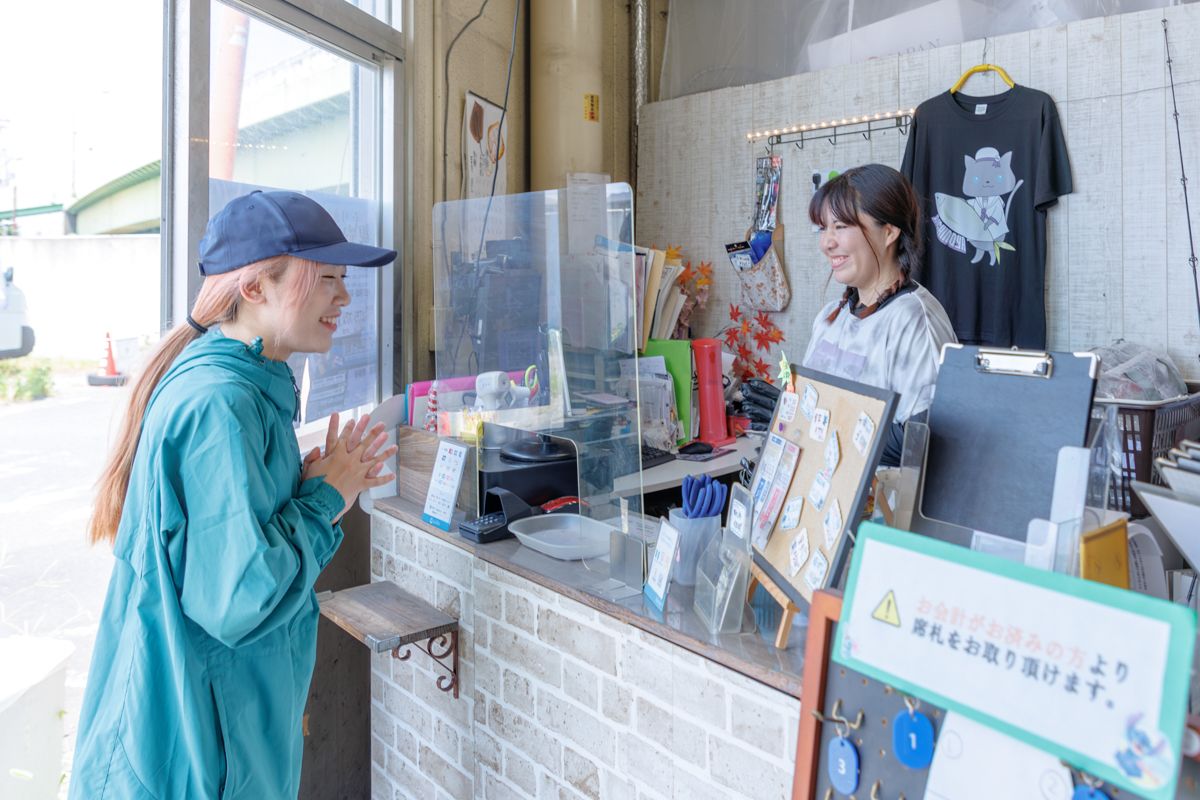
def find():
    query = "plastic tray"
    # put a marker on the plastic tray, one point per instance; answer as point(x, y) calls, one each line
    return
point(567, 537)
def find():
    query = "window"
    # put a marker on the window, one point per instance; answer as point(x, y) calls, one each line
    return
point(303, 100)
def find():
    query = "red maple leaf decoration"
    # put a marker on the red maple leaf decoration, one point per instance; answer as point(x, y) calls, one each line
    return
point(775, 335)
point(764, 321)
point(762, 368)
point(731, 336)
point(745, 328)
point(687, 275)
point(735, 313)
point(762, 340)
point(744, 353)
point(747, 374)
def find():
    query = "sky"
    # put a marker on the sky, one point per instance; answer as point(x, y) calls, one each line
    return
point(80, 95)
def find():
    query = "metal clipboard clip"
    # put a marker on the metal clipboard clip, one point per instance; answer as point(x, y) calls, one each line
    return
point(1029, 363)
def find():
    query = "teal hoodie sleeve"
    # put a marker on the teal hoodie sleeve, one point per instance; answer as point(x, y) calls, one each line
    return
point(252, 549)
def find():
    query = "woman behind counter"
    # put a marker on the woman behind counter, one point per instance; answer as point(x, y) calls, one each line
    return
point(886, 330)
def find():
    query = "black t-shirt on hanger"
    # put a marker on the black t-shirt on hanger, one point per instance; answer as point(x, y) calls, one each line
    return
point(986, 170)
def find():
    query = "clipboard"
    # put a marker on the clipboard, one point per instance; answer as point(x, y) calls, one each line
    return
point(996, 424)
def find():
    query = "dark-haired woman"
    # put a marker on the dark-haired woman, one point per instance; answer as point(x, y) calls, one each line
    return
point(886, 330)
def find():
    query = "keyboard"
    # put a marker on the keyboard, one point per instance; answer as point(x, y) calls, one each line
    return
point(652, 456)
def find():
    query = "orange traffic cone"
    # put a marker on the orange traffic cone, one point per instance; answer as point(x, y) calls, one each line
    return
point(109, 376)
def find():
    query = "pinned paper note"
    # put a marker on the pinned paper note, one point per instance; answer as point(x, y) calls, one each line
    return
point(791, 513)
point(815, 576)
point(833, 525)
point(809, 404)
point(819, 491)
point(766, 468)
point(788, 402)
point(820, 424)
point(864, 429)
point(833, 454)
point(798, 552)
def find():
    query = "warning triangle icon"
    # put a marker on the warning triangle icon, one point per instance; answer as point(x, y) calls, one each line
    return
point(886, 611)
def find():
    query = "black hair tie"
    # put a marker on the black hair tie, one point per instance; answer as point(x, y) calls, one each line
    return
point(199, 328)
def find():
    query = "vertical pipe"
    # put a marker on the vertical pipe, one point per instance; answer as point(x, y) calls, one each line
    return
point(639, 50)
point(566, 84)
point(229, 64)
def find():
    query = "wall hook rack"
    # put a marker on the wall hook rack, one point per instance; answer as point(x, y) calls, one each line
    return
point(838, 131)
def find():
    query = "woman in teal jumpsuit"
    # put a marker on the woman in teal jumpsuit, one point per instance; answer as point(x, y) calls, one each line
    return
point(207, 641)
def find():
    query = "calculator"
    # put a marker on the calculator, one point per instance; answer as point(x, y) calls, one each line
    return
point(488, 528)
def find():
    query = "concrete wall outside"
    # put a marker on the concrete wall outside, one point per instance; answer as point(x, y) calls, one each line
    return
point(78, 288)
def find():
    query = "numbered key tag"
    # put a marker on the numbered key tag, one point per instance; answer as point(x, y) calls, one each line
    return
point(842, 765)
point(912, 739)
point(1086, 792)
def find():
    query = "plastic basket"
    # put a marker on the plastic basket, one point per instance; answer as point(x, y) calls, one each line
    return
point(1149, 428)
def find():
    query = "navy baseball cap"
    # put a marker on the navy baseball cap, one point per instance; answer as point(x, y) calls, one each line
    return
point(266, 224)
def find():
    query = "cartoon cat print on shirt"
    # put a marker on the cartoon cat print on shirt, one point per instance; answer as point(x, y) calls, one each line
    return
point(982, 218)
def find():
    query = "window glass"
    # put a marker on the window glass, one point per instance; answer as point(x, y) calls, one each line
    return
point(287, 114)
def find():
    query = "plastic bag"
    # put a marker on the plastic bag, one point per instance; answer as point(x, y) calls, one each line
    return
point(1130, 371)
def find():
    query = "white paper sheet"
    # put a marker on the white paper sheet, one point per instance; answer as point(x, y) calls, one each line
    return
point(975, 762)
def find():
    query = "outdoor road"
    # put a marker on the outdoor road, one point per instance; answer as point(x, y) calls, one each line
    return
point(52, 582)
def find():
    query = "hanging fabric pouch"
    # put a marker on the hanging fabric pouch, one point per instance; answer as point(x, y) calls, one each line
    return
point(764, 285)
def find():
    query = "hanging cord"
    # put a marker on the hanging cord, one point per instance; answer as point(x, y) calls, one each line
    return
point(445, 155)
point(495, 173)
point(446, 92)
point(512, 49)
point(1187, 208)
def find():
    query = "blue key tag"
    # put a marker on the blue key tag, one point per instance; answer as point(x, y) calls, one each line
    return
point(912, 739)
point(842, 765)
point(1086, 792)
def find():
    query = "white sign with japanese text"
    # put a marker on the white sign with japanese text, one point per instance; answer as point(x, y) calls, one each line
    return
point(1094, 674)
point(444, 483)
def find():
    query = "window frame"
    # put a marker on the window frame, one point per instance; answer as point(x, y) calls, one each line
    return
point(333, 24)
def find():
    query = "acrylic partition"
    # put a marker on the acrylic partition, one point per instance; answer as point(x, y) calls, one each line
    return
point(536, 341)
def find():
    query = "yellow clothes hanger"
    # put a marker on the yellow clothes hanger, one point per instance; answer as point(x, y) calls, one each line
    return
point(982, 68)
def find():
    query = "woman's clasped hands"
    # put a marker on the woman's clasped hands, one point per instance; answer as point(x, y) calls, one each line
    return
point(352, 461)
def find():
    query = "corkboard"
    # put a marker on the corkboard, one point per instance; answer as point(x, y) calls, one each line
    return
point(849, 484)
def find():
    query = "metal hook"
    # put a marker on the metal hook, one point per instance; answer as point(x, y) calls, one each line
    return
point(875, 790)
point(843, 724)
point(843, 729)
point(911, 704)
point(828, 793)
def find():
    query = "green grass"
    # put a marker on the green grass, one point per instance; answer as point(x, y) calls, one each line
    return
point(25, 379)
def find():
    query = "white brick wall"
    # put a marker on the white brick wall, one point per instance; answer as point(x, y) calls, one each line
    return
point(558, 700)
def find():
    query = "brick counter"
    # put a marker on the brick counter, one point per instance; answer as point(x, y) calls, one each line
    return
point(559, 699)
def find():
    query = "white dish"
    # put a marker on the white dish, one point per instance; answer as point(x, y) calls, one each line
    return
point(567, 537)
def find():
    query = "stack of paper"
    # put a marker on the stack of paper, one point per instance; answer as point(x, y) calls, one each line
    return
point(660, 299)
point(1179, 515)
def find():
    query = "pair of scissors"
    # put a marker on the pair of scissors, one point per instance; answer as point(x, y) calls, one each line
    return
point(703, 496)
